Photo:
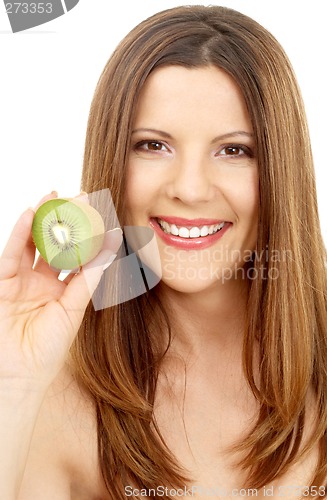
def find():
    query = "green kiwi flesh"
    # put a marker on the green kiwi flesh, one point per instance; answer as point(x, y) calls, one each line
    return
point(68, 233)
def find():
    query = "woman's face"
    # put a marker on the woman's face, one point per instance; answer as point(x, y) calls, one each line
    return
point(192, 175)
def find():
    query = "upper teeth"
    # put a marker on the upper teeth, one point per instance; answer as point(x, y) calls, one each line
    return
point(194, 232)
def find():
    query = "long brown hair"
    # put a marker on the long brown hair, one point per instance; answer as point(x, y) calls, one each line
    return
point(115, 354)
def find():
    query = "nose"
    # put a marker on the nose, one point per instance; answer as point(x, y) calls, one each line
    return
point(191, 181)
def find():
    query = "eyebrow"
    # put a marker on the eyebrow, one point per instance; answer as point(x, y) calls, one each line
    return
point(218, 138)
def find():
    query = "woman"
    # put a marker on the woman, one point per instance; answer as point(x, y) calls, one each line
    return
point(215, 379)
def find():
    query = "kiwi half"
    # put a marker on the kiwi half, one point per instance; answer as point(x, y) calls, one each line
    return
point(68, 233)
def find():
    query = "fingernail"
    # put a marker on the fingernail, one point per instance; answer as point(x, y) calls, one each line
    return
point(54, 193)
point(113, 239)
point(110, 261)
point(83, 196)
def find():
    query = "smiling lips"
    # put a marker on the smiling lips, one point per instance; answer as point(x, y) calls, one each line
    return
point(189, 234)
point(190, 231)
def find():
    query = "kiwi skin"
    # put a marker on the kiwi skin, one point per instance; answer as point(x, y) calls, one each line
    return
point(67, 232)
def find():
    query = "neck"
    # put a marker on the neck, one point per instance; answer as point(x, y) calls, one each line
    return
point(207, 323)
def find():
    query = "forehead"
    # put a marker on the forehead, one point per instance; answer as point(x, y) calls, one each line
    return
point(191, 95)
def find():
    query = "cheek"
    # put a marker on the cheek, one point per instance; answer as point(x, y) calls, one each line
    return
point(242, 193)
point(248, 199)
point(248, 210)
point(136, 191)
point(253, 193)
point(143, 187)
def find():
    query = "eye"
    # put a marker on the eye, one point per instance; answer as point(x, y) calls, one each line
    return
point(150, 146)
point(232, 151)
point(235, 151)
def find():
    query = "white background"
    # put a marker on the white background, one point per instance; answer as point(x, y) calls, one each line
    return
point(48, 76)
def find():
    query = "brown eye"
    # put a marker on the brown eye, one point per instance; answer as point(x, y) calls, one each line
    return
point(236, 151)
point(154, 146)
point(151, 146)
point(232, 151)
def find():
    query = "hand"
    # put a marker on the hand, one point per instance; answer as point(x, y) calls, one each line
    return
point(39, 314)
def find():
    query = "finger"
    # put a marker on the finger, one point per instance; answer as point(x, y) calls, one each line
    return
point(15, 248)
point(113, 239)
point(41, 266)
point(83, 196)
point(20, 249)
point(28, 257)
point(82, 286)
point(68, 276)
point(45, 198)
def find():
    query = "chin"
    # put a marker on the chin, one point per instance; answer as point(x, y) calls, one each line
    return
point(190, 279)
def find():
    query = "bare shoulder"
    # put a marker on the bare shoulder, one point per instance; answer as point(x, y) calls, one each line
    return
point(62, 462)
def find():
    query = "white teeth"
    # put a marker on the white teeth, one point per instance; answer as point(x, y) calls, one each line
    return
point(204, 231)
point(194, 232)
point(183, 232)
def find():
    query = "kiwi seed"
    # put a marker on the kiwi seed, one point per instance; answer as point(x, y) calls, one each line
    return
point(68, 233)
